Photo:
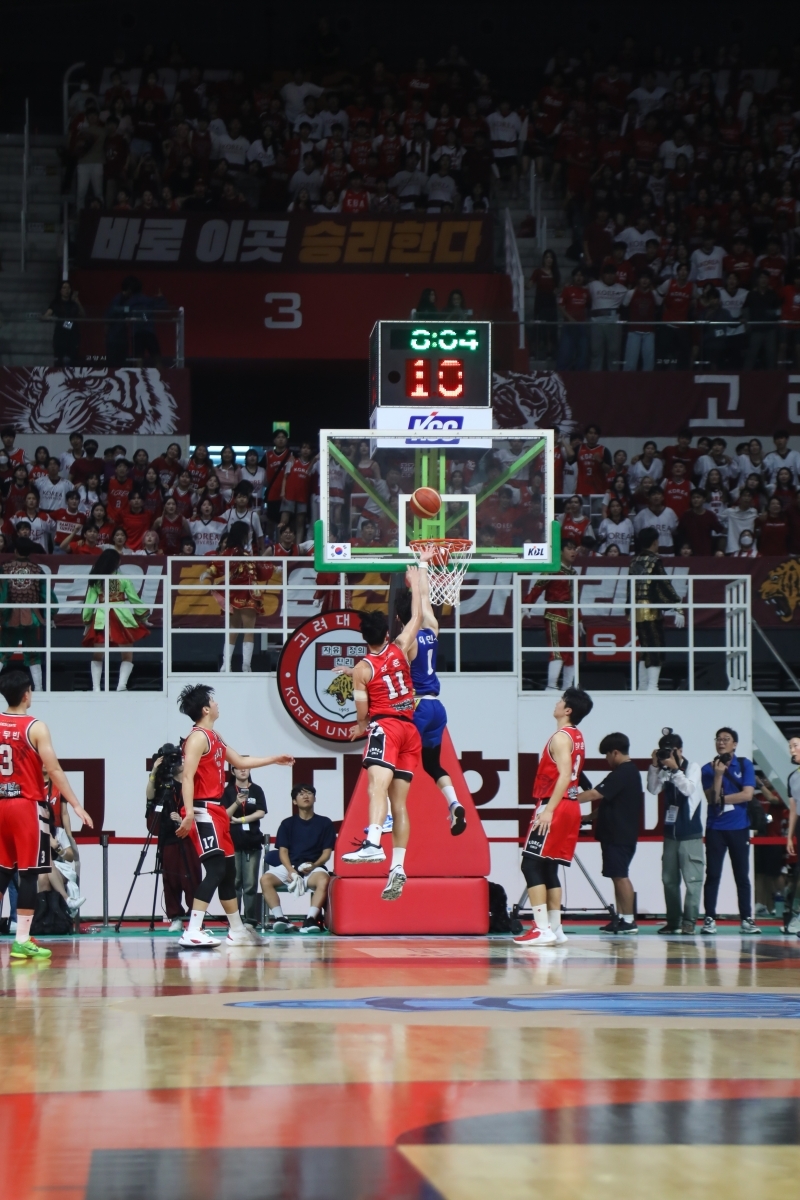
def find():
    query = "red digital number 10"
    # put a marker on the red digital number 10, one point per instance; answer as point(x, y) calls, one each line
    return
point(449, 379)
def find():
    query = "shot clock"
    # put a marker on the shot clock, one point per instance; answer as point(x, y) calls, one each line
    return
point(430, 364)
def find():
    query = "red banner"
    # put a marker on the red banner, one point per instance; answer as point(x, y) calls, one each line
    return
point(653, 404)
point(130, 400)
point(265, 244)
point(249, 315)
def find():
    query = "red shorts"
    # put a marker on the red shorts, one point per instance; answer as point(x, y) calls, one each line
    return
point(24, 835)
point(560, 636)
point(561, 838)
point(395, 744)
point(211, 832)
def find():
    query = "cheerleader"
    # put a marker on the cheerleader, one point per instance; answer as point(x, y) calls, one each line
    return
point(126, 614)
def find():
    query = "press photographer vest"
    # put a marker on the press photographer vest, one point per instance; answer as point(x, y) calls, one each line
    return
point(685, 825)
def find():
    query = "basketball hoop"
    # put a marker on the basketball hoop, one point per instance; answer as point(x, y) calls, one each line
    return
point(447, 567)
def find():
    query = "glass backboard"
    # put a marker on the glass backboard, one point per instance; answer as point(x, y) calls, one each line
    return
point(496, 488)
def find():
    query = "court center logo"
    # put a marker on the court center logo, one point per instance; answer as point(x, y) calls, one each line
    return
point(314, 691)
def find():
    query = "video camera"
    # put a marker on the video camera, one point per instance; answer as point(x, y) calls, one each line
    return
point(669, 745)
point(163, 800)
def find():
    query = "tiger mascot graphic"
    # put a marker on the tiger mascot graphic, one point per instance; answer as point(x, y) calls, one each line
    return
point(781, 589)
point(342, 689)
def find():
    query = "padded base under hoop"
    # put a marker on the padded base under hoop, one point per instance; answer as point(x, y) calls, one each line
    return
point(427, 906)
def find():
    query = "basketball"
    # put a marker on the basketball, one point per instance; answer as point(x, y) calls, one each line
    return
point(425, 502)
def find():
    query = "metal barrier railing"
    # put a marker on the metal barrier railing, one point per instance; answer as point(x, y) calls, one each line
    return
point(108, 340)
point(710, 651)
point(195, 610)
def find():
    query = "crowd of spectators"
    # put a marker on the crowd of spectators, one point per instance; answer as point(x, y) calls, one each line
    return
point(165, 135)
point(708, 499)
point(679, 178)
point(80, 503)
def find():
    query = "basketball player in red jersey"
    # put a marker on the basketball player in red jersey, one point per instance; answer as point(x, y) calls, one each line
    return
point(556, 819)
point(384, 696)
point(25, 747)
point(558, 616)
point(206, 820)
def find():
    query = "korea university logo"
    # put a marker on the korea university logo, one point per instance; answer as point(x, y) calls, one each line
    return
point(315, 674)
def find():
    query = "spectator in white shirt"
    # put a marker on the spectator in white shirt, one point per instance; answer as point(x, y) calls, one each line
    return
point(752, 462)
point(409, 185)
point(659, 517)
point(636, 237)
point(505, 129)
point(232, 147)
point(262, 151)
point(646, 464)
point(441, 187)
point(648, 95)
point(69, 456)
point(605, 332)
point(333, 114)
point(716, 458)
point(309, 177)
point(310, 115)
point(52, 488)
point(782, 456)
point(707, 263)
point(741, 518)
point(294, 94)
point(669, 150)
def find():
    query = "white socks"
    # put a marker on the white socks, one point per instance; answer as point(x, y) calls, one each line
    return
point(553, 672)
point(36, 676)
point(23, 933)
point(97, 676)
point(627, 918)
point(652, 678)
point(276, 913)
point(313, 911)
point(229, 649)
point(374, 834)
point(540, 917)
point(449, 793)
point(125, 669)
point(569, 677)
point(235, 922)
point(398, 858)
point(554, 915)
point(196, 920)
point(247, 656)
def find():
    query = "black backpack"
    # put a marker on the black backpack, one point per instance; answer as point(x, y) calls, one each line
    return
point(51, 916)
point(499, 920)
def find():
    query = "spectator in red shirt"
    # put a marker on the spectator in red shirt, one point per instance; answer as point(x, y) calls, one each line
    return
point(168, 465)
point(119, 490)
point(700, 529)
point(593, 463)
point(774, 264)
point(774, 529)
point(574, 525)
point(643, 304)
point(573, 346)
point(546, 280)
point(740, 261)
point(135, 520)
point(355, 197)
point(682, 452)
point(790, 320)
point(678, 489)
point(183, 494)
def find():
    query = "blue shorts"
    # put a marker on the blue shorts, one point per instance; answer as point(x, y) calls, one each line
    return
point(430, 718)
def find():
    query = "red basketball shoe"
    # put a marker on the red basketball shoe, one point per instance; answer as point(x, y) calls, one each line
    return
point(536, 937)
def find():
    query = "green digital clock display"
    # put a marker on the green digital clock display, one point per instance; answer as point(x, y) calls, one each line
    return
point(448, 338)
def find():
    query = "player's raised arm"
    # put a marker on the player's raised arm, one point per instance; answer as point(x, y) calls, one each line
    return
point(40, 739)
point(408, 637)
point(561, 751)
point(428, 615)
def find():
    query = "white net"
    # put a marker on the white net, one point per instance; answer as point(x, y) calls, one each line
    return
point(447, 566)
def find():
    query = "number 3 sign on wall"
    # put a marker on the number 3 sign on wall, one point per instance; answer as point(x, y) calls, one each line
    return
point(286, 312)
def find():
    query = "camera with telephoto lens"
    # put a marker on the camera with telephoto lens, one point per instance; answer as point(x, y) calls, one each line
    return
point(669, 745)
point(163, 802)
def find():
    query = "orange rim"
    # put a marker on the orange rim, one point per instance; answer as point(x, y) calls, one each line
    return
point(452, 544)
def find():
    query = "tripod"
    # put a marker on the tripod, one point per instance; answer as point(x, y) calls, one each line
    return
point(518, 907)
point(158, 869)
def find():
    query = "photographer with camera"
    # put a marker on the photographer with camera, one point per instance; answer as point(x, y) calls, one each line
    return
point(180, 866)
point(729, 783)
point(246, 806)
point(618, 819)
point(678, 784)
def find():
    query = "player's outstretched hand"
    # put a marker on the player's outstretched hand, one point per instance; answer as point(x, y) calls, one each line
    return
point(282, 760)
point(84, 816)
point(543, 820)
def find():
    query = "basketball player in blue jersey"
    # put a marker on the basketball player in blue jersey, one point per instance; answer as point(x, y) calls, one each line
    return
point(430, 715)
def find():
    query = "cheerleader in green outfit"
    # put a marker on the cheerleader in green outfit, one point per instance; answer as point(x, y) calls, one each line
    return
point(125, 617)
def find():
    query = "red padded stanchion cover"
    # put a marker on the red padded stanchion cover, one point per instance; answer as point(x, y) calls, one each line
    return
point(432, 850)
point(427, 906)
